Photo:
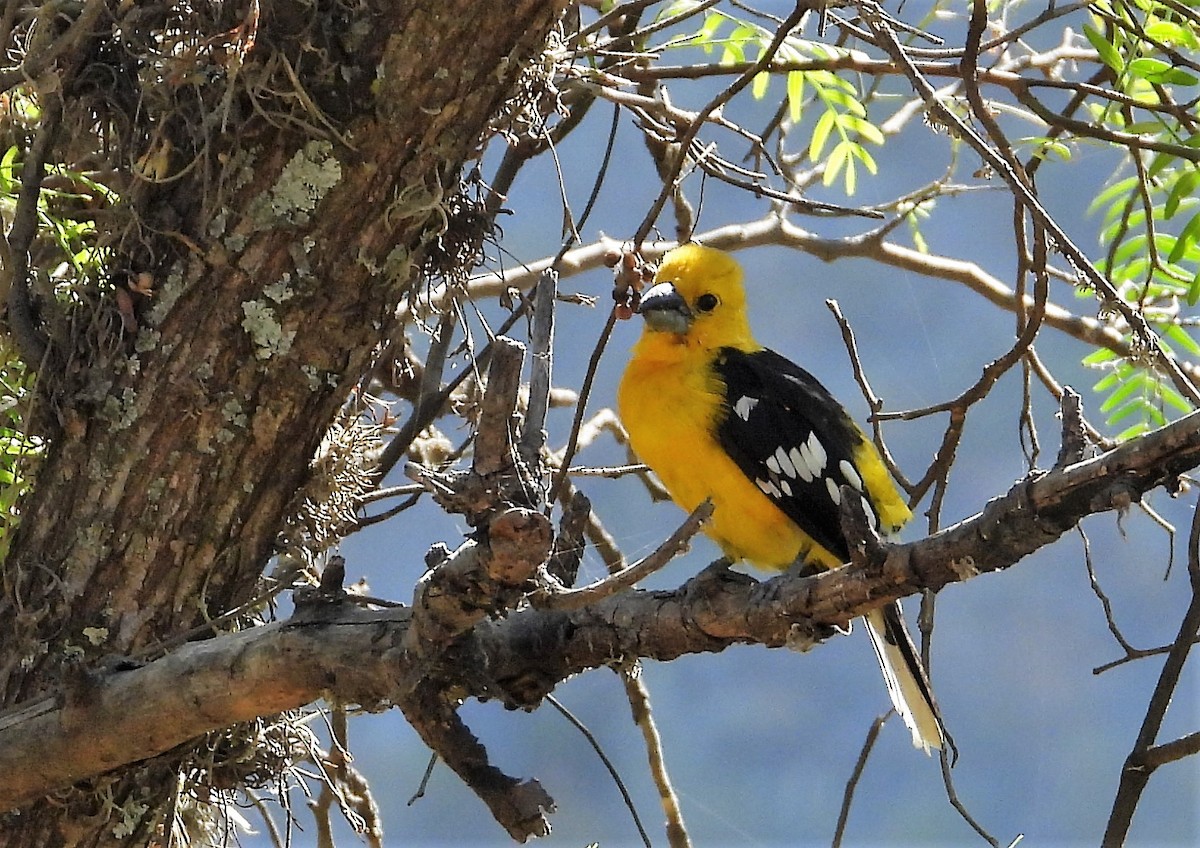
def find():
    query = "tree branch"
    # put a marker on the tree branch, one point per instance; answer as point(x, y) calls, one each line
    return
point(776, 230)
point(112, 718)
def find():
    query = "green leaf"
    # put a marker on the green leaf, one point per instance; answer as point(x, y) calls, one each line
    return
point(8, 181)
point(1145, 128)
point(795, 95)
point(1187, 239)
point(1193, 294)
point(863, 127)
point(863, 155)
point(1159, 163)
point(708, 31)
point(820, 135)
point(1183, 189)
point(1121, 395)
point(1097, 357)
point(1134, 406)
point(1109, 54)
point(848, 100)
point(1183, 338)
point(839, 158)
point(1133, 432)
point(1134, 245)
point(1119, 189)
point(851, 177)
point(1173, 399)
point(1048, 148)
point(1160, 72)
point(1172, 34)
point(759, 87)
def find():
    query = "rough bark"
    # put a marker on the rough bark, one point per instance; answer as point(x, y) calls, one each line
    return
point(178, 458)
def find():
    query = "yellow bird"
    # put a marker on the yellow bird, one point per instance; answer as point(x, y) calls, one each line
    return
point(716, 415)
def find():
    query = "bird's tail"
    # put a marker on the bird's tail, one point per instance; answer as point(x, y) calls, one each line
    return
point(905, 677)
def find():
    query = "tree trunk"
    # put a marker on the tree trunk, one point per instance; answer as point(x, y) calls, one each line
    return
point(289, 219)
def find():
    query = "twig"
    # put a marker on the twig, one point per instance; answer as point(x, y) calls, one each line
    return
point(424, 784)
point(595, 532)
point(493, 441)
point(608, 765)
point(567, 554)
point(874, 402)
point(768, 56)
point(1138, 768)
point(259, 804)
point(390, 492)
point(852, 784)
point(1136, 655)
point(28, 338)
point(623, 579)
point(952, 797)
point(1009, 169)
point(1074, 435)
point(429, 399)
point(643, 717)
point(1169, 752)
point(776, 230)
point(365, 521)
point(581, 405)
point(519, 806)
point(541, 343)
point(610, 471)
point(35, 62)
point(1105, 603)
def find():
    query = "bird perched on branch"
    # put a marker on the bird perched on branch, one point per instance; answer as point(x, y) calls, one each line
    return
point(716, 415)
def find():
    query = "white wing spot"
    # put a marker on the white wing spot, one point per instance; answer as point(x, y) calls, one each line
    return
point(834, 491)
point(800, 465)
point(807, 458)
point(786, 464)
point(818, 453)
point(870, 511)
point(768, 488)
point(773, 464)
point(745, 406)
point(851, 475)
point(787, 489)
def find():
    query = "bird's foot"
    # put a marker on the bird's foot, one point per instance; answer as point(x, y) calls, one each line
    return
point(721, 570)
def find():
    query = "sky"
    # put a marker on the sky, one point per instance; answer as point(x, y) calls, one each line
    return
point(760, 743)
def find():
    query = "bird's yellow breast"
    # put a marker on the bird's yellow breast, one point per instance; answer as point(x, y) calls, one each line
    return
point(671, 403)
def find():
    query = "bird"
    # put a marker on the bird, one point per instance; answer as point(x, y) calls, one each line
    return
point(717, 416)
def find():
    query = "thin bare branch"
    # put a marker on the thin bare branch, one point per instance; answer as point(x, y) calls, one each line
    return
point(643, 717)
point(860, 765)
point(608, 765)
point(627, 577)
point(1141, 762)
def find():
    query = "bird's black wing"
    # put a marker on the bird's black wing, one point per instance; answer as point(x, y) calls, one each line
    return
point(792, 438)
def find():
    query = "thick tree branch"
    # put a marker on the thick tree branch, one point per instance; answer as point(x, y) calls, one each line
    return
point(114, 718)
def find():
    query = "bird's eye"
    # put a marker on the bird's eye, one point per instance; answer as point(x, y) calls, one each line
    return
point(707, 302)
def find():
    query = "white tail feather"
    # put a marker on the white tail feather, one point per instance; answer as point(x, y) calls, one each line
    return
point(909, 694)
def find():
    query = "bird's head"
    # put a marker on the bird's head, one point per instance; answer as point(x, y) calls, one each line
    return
point(698, 297)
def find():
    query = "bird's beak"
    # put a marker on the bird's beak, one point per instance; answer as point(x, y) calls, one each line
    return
point(665, 310)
